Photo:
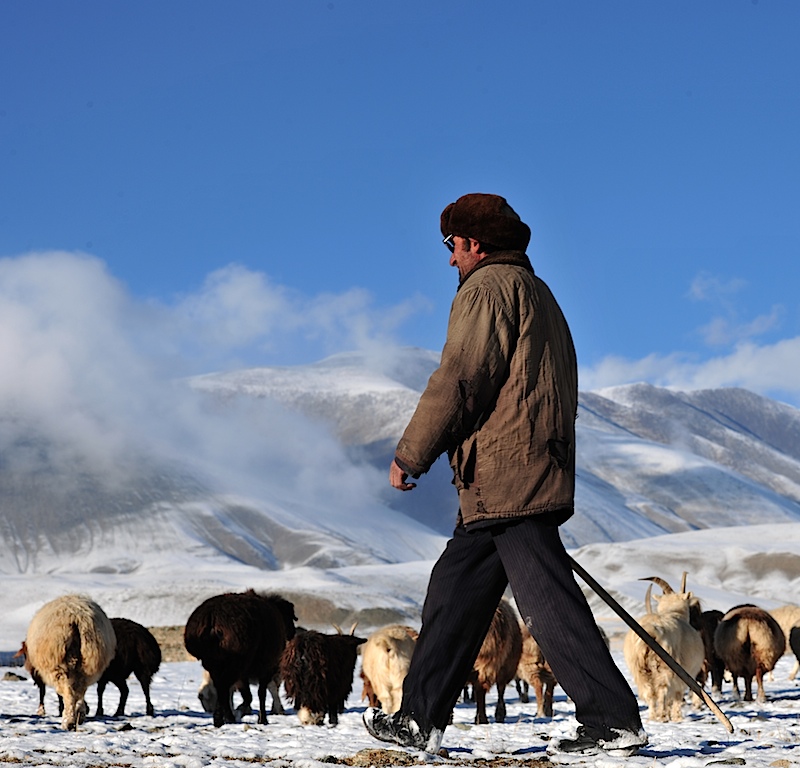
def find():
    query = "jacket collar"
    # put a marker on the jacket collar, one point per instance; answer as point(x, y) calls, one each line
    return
point(513, 258)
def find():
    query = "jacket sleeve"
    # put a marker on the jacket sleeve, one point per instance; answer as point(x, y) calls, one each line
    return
point(462, 391)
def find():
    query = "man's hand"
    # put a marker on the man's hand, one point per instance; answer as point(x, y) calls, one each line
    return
point(397, 477)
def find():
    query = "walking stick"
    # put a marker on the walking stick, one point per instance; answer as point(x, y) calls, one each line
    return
point(651, 643)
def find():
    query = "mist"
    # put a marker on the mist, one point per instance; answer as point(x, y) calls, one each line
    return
point(95, 395)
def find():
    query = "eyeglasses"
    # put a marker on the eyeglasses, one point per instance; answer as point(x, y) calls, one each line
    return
point(450, 243)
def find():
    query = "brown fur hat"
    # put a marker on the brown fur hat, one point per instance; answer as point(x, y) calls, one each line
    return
point(489, 219)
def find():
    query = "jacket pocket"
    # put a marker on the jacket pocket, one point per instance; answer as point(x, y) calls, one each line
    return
point(464, 463)
point(560, 452)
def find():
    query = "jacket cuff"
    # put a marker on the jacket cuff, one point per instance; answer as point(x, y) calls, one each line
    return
point(415, 473)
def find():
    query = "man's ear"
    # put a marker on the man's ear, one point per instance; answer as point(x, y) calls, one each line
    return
point(474, 246)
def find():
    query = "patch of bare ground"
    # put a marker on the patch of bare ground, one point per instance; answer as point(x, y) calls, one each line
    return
point(170, 640)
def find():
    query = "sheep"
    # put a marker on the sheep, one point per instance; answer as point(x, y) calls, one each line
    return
point(712, 663)
point(497, 661)
point(661, 689)
point(384, 664)
point(750, 642)
point(240, 636)
point(788, 616)
point(368, 692)
point(37, 679)
point(533, 669)
point(317, 671)
point(207, 694)
point(138, 652)
point(70, 643)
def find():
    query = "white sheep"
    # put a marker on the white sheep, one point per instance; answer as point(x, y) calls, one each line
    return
point(384, 663)
point(661, 689)
point(788, 617)
point(70, 642)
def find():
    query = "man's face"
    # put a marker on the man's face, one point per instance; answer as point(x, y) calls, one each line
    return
point(465, 255)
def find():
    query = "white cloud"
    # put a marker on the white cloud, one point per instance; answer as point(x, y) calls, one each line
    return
point(727, 326)
point(238, 309)
point(769, 369)
point(93, 374)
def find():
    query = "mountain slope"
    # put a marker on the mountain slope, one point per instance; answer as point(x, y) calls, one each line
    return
point(650, 461)
point(286, 467)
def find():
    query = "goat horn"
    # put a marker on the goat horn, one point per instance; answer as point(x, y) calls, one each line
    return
point(648, 603)
point(683, 581)
point(353, 628)
point(666, 588)
point(337, 628)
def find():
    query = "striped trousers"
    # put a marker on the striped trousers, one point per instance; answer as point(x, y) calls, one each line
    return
point(465, 587)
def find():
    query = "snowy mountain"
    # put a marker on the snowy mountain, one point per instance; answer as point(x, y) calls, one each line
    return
point(279, 475)
point(650, 461)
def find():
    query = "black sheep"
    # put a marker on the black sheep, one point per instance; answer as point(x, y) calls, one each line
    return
point(138, 652)
point(240, 636)
point(317, 672)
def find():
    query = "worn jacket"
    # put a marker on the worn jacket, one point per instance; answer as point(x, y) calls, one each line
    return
point(503, 402)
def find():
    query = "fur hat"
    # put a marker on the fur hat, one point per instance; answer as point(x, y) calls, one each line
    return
point(488, 219)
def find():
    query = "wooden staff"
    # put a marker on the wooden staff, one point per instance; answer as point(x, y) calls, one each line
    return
point(651, 643)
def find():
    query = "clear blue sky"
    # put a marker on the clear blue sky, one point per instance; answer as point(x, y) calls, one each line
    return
point(271, 173)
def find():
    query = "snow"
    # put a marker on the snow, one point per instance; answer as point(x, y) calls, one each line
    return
point(181, 735)
point(726, 567)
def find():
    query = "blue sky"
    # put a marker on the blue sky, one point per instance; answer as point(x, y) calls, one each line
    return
point(262, 181)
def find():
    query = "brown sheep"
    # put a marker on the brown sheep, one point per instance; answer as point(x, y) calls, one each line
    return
point(497, 661)
point(317, 672)
point(534, 670)
point(240, 636)
point(70, 642)
point(207, 694)
point(750, 642)
point(384, 664)
point(138, 652)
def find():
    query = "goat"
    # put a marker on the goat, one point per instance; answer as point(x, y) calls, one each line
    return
point(384, 664)
point(788, 616)
point(317, 672)
point(207, 694)
point(70, 643)
point(240, 636)
point(534, 670)
point(497, 661)
point(750, 642)
point(661, 689)
point(138, 652)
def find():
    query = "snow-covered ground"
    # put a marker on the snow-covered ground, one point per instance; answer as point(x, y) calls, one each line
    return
point(180, 735)
point(726, 566)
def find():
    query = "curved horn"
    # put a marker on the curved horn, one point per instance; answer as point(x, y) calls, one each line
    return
point(648, 603)
point(353, 628)
point(666, 588)
point(337, 628)
point(683, 582)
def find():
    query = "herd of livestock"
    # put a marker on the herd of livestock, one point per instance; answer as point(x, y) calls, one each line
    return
point(250, 638)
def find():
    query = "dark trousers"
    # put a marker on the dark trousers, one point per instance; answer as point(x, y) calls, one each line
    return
point(465, 587)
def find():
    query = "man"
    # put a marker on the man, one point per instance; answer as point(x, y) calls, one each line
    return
point(502, 404)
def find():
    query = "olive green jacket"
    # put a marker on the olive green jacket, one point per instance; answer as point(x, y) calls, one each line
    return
point(503, 402)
